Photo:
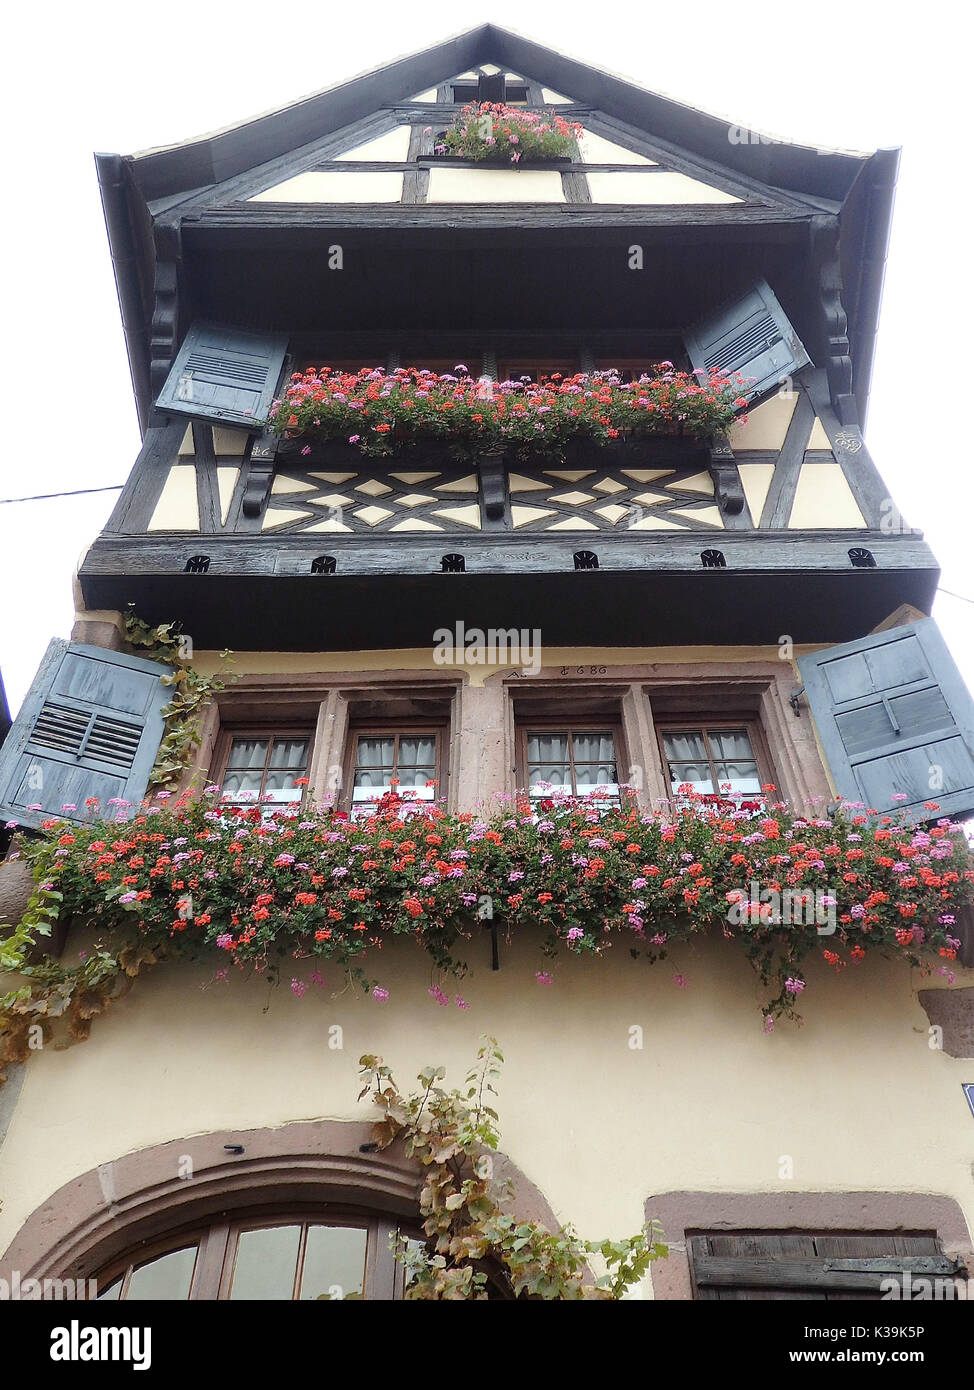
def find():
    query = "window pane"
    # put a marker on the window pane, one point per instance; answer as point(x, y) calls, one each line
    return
point(685, 747)
point(247, 752)
point(730, 744)
point(697, 774)
point(266, 1263)
point(742, 776)
point(594, 775)
point(334, 1263)
point(554, 774)
point(290, 752)
point(547, 748)
point(242, 782)
point(594, 748)
point(283, 781)
point(113, 1291)
point(417, 752)
point(168, 1277)
point(374, 752)
point(372, 780)
point(414, 777)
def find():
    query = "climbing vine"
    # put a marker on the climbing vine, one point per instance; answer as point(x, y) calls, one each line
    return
point(191, 691)
point(475, 1245)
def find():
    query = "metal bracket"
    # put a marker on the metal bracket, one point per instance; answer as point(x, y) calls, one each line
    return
point(794, 698)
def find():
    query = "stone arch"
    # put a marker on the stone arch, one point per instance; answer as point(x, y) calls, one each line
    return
point(141, 1196)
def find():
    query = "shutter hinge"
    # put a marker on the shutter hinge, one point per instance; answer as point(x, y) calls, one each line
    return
point(794, 698)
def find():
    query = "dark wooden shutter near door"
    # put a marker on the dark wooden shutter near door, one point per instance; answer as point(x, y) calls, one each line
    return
point(224, 375)
point(90, 727)
point(751, 335)
point(768, 1265)
point(894, 717)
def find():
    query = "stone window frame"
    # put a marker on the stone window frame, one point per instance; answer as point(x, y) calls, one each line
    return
point(640, 697)
point(438, 730)
point(685, 1214)
point(335, 705)
point(269, 731)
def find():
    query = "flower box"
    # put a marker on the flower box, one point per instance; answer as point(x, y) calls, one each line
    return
point(415, 410)
point(492, 133)
point(560, 161)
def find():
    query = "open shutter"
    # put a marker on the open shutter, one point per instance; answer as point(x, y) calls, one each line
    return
point(752, 335)
point(91, 726)
point(895, 719)
point(224, 375)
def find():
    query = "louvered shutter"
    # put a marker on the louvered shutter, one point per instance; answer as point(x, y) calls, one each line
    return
point(752, 335)
point(894, 718)
point(90, 727)
point(224, 375)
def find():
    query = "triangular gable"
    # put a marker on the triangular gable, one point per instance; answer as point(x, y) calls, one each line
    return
point(621, 167)
point(212, 160)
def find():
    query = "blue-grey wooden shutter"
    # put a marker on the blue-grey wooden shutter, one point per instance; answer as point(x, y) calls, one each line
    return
point(224, 375)
point(751, 335)
point(90, 726)
point(894, 718)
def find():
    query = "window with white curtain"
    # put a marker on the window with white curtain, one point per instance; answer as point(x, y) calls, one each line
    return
point(402, 762)
point(712, 760)
point(265, 768)
point(571, 762)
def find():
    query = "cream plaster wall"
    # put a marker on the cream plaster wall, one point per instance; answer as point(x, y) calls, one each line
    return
point(653, 188)
point(857, 1099)
point(766, 425)
point(595, 149)
point(335, 186)
point(178, 505)
point(393, 145)
point(823, 498)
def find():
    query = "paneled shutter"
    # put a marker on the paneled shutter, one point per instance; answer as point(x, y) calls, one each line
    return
point(739, 1265)
point(224, 375)
point(751, 335)
point(895, 719)
point(90, 727)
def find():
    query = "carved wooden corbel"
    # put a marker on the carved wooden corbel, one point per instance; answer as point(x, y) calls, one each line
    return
point(493, 483)
point(260, 473)
point(165, 309)
point(833, 319)
point(727, 480)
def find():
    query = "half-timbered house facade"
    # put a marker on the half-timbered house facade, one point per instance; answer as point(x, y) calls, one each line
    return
point(748, 609)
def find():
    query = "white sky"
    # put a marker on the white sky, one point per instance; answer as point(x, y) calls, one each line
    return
point(123, 77)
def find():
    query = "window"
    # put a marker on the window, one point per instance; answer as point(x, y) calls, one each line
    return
point(573, 762)
point(298, 1257)
point(264, 766)
point(714, 759)
point(628, 368)
point(382, 758)
point(534, 368)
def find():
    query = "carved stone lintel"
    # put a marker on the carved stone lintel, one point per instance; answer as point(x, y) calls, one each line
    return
point(260, 473)
point(493, 483)
point(838, 361)
point(727, 480)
